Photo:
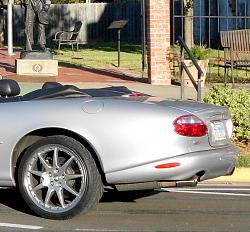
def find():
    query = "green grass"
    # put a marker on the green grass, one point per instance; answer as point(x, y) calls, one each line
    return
point(243, 162)
point(103, 57)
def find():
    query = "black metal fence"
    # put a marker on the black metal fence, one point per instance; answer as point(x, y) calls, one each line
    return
point(209, 18)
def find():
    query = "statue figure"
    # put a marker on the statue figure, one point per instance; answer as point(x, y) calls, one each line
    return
point(36, 11)
point(2, 7)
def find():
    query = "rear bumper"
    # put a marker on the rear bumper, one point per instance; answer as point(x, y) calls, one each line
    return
point(212, 163)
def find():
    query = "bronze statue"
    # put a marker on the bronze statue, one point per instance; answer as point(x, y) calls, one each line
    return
point(36, 11)
point(2, 7)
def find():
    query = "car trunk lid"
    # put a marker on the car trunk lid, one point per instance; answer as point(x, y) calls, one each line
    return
point(217, 118)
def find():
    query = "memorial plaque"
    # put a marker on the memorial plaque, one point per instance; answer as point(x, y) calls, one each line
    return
point(31, 67)
point(118, 24)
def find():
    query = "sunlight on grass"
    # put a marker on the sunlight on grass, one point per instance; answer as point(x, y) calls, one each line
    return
point(103, 57)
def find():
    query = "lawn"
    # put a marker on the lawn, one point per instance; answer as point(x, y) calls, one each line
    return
point(104, 57)
point(244, 160)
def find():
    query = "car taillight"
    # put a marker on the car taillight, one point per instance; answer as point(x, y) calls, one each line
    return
point(190, 125)
point(134, 95)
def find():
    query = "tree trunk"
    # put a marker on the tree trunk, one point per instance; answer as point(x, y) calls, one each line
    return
point(189, 23)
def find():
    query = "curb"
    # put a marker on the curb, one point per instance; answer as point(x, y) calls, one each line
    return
point(241, 175)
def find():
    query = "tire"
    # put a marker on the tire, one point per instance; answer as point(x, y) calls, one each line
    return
point(58, 178)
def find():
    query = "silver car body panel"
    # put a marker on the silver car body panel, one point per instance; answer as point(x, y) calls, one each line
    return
point(129, 137)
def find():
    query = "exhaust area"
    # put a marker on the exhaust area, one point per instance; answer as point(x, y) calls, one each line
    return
point(156, 185)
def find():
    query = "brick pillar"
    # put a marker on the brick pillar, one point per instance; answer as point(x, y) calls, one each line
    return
point(158, 41)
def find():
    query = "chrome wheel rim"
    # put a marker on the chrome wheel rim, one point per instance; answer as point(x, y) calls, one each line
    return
point(55, 178)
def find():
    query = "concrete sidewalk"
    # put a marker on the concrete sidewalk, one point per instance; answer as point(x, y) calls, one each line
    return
point(241, 175)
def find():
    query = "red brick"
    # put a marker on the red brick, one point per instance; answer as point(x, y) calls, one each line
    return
point(158, 34)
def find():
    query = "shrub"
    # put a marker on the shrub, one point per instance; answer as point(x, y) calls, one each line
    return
point(199, 52)
point(238, 102)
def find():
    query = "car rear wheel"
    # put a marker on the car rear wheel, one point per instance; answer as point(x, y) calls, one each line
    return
point(58, 178)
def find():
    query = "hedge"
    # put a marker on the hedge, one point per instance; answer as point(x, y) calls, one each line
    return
point(238, 102)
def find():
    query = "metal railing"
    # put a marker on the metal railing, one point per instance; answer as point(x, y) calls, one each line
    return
point(183, 67)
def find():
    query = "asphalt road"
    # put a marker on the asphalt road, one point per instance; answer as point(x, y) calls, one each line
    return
point(205, 208)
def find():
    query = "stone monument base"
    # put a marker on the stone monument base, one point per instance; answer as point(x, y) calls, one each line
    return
point(36, 63)
point(37, 67)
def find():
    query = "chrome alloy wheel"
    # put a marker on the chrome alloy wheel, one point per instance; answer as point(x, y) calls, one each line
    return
point(55, 178)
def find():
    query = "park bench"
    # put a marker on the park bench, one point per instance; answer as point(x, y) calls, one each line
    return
point(236, 46)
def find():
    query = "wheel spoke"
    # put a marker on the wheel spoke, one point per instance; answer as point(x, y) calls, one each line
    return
point(67, 163)
point(44, 163)
point(73, 176)
point(36, 173)
point(60, 196)
point(71, 190)
point(55, 158)
point(38, 187)
point(48, 196)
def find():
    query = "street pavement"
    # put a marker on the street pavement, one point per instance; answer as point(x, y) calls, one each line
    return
point(205, 208)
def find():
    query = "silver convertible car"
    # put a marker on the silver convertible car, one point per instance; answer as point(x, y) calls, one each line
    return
point(61, 145)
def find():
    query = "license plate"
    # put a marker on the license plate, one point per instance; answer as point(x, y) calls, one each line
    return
point(219, 131)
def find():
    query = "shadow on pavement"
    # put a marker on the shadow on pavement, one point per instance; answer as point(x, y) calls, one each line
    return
point(8, 67)
point(126, 196)
point(11, 198)
point(105, 72)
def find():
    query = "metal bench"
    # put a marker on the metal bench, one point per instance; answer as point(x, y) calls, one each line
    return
point(68, 37)
point(236, 46)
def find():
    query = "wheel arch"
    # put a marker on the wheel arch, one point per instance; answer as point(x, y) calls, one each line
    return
point(33, 136)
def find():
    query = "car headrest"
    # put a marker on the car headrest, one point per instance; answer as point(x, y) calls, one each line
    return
point(9, 88)
point(51, 84)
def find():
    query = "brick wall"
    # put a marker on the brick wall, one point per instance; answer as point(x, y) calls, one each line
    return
point(158, 40)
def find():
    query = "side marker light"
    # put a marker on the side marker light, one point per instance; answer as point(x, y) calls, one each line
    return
point(168, 165)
